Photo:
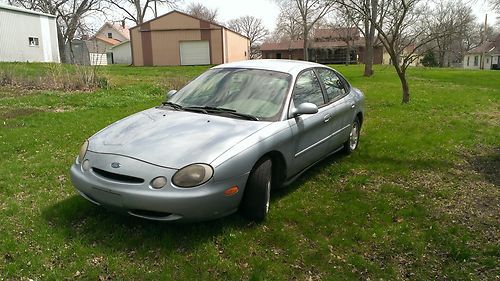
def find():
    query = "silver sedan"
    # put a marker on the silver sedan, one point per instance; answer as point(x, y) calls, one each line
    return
point(222, 142)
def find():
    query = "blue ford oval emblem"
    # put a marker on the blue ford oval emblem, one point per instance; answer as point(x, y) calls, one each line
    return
point(115, 165)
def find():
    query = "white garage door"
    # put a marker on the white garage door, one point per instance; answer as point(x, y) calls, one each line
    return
point(195, 52)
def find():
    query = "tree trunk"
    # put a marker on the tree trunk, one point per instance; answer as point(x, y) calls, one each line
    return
point(348, 54)
point(306, 53)
point(62, 46)
point(404, 86)
point(401, 71)
point(370, 39)
point(368, 59)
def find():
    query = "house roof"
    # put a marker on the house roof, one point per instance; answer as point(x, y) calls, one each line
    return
point(123, 30)
point(187, 15)
point(299, 45)
point(110, 41)
point(490, 47)
point(286, 45)
point(121, 43)
point(22, 10)
point(336, 32)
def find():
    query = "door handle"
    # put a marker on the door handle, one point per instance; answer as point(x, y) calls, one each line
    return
point(327, 117)
point(353, 105)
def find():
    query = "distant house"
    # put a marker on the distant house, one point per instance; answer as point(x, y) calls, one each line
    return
point(121, 53)
point(27, 35)
point(100, 45)
point(332, 46)
point(416, 56)
point(484, 56)
point(177, 38)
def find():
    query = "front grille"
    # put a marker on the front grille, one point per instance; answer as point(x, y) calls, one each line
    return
point(117, 177)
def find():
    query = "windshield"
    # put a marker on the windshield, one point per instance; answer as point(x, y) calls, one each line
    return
point(254, 92)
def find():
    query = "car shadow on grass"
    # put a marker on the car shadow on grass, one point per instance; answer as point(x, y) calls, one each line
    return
point(80, 220)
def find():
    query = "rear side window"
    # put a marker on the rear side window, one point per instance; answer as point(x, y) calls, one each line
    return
point(308, 89)
point(334, 86)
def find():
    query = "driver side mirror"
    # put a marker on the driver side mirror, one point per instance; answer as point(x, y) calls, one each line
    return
point(170, 94)
point(305, 108)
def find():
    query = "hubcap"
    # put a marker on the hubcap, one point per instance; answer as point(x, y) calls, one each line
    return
point(353, 139)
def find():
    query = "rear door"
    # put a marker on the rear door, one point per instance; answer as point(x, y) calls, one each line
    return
point(195, 52)
point(310, 131)
point(340, 103)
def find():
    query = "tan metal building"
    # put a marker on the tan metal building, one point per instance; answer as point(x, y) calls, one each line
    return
point(177, 38)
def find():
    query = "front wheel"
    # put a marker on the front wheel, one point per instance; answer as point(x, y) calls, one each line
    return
point(352, 143)
point(255, 203)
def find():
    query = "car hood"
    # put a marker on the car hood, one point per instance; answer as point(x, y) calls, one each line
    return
point(173, 139)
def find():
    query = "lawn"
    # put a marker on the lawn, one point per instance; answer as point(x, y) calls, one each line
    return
point(419, 200)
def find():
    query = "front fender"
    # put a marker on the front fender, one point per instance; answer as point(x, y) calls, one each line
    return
point(241, 158)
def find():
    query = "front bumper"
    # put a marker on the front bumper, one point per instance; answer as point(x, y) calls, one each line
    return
point(169, 203)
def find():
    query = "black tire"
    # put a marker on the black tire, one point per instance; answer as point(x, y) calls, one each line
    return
point(255, 203)
point(353, 141)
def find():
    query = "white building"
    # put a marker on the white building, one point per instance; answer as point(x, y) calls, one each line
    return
point(27, 35)
point(484, 56)
point(121, 54)
point(108, 36)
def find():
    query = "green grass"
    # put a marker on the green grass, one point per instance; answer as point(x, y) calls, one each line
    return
point(418, 200)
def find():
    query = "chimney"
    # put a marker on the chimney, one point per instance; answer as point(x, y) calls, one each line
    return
point(123, 23)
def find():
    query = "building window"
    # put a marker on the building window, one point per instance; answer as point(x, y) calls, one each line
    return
point(468, 59)
point(487, 60)
point(33, 41)
point(278, 55)
point(110, 35)
point(476, 60)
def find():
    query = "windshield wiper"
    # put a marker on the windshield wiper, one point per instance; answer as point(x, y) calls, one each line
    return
point(212, 109)
point(173, 105)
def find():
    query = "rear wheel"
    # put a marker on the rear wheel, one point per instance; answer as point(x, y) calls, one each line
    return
point(255, 203)
point(352, 143)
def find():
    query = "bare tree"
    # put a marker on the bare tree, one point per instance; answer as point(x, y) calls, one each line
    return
point(310, 11)
point(70, 16)
point(404, 29)
point(287, 26)
point(364, 24)
point(135, 10)
point(253, 28)
point(453, 19)
point(202, 12)
point(343, 24)
point(495, 5)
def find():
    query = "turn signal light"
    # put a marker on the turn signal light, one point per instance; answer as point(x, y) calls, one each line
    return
point(231, 191)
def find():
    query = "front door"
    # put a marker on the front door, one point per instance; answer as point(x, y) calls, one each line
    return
point(310, 131)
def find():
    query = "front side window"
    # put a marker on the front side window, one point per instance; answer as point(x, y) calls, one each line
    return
point(259, 93)
point(308, 89)
point(333, 85)
point(476, 60)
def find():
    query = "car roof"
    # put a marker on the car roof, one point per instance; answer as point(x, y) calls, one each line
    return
point(292, 67)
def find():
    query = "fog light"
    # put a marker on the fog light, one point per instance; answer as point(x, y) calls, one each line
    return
point(86, 165)
point(158, 182)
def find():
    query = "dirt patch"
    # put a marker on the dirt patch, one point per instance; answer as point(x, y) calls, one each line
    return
point(19, 112)
point(6, 113)
point(486, 163)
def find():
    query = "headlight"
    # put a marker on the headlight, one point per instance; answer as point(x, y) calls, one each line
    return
point(83, 151)
point(193, 175)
